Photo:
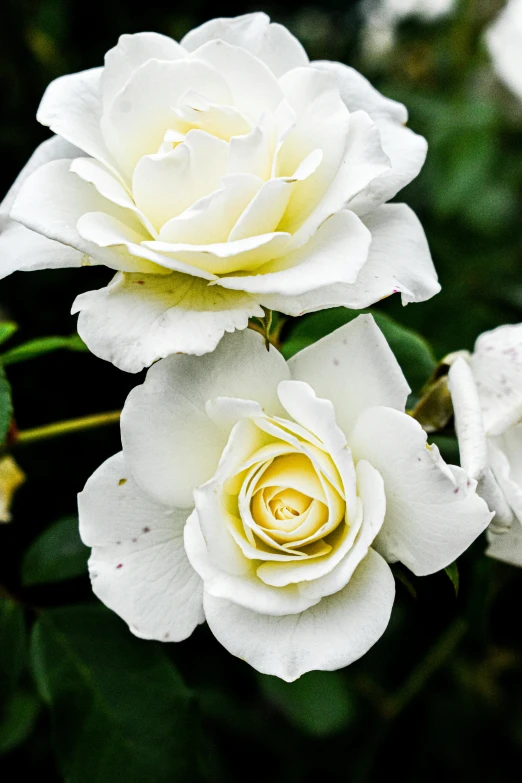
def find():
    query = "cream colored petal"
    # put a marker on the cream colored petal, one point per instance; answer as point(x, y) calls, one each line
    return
point(138, 319)
point(53, 199)
point(322, 122)
point(134, 124)
point(240, 582)
point(336, 253)
point(130, 52)
point(108, 186)
point(372, 497)
point(328, 636)
point(165, 185)
point(223, 258)
point(253, 86)
point(211, 219)
point(271, 43)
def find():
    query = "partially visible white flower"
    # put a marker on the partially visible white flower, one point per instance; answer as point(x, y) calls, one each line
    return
point(486, 389)
point(217, 177)
point(269, 497)
point(11, 477)
point(383, 16)
point(504, 41)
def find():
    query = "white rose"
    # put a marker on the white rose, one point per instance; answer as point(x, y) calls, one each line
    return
point(218, 176)
point(269, 497)
point(486, 389)
point(382, 18)
point(504, 41)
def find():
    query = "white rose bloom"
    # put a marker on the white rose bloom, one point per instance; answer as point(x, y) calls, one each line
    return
point(504, 42)
point(217, 176)
point(486, 389)
point(383, 17)
point(268, 498)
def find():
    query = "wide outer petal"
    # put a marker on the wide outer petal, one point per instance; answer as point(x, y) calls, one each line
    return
point(357, 93)
point(328, 636)
point(407, 152)
point(138, 565)
point(53, 199)
point(399, 260)
point(130, 52)
point(507, 545)
point(271, 43)
point(171, 444)
point(353, 367)
point(496, 364)
point(20, 248)
point(335, 254)
point(473, 447)
point(138, 319)
point(432, 511)
point(72, 108)
point(54, 148)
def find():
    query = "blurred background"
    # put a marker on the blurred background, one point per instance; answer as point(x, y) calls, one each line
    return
point(440, 696)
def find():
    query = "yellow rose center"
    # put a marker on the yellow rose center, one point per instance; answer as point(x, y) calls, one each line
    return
point(289, 505)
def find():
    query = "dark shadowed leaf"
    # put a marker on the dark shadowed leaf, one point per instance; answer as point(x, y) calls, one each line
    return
point(119, 708)
point(318, 703)
point(56, 555)
point(18, 719)
point(13, 646)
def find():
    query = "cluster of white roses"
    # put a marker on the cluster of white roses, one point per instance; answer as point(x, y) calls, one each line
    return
point(218, 177)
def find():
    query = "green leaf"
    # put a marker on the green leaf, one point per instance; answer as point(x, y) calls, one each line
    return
point(318, 703)
point(119, 708)
point(453, 573)
point(411, 350)
point(56, 555)
point(7, 329)
point(42, 346)
point(6, 405)
point(13, 646)
point(19, 717)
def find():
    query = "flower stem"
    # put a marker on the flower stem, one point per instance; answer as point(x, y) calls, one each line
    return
point(59, 428)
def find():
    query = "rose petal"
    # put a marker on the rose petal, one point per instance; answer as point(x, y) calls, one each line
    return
point(406, 151)
point(137, 119)
point(253, 86)
point(398, 260)
point(240, 582)
point(358, 93)
point(335, 253)
point(170, 442)
point(432, 512)
point(496, 364)
point(271, 43)
point(130, 52)
point(137, 320)
point(196, 166)
point(138, 565)
point(355, 369)
point(328, 636)
point(52, 200)
point(507, 545)
point(72, 108)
